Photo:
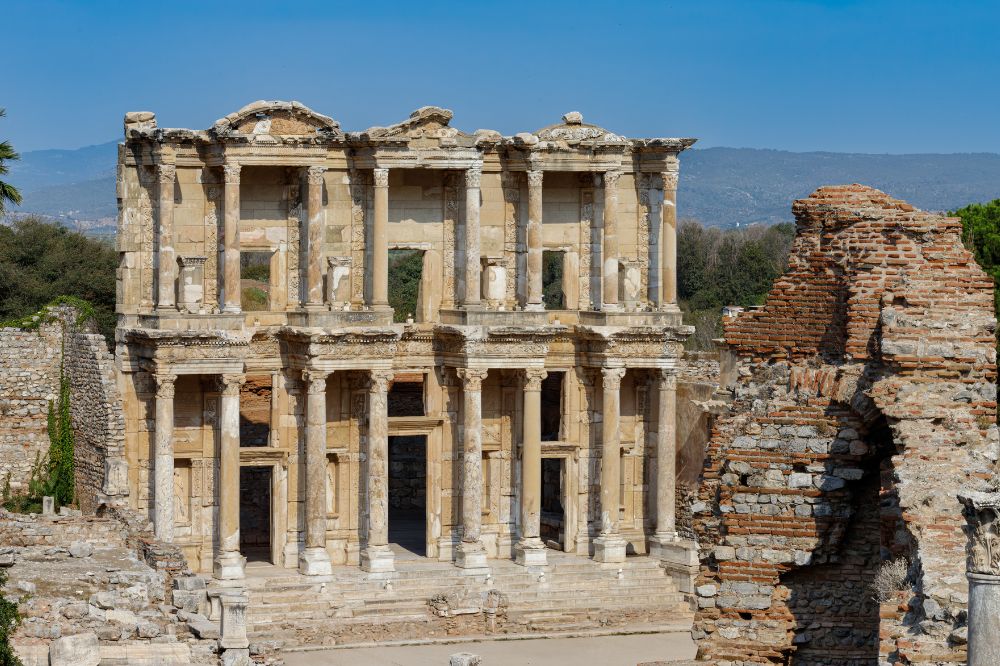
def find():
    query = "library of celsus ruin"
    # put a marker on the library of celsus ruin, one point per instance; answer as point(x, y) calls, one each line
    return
point(276, 408)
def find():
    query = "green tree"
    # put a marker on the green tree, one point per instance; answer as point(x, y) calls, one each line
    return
point(405, 268)
point(9, 619)
point(41, 261)
point(981, 236)
point(8, 193)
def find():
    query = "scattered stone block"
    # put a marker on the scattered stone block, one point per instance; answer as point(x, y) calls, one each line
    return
point(76, 650)
point(81, 549)
point(48, 506)
point(465, 659)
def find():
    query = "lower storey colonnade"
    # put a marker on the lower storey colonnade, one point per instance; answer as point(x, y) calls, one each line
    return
point(486, 489)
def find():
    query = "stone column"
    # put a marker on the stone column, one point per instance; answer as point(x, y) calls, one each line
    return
point(473, 269)
point(233, 641)
point(668, 241)
point(377, 557)
point(229, 562)
point(315, 560)
point(380, 241)
point(530, 550)
point(274, 426)
point(610, 252)
point(666, 456)
point(533, 238)
point(610, 546)
point(314, 233)
point(471, 554)
point(163, 461)
point(231, 239)
point(166, 275)
point(982, 514)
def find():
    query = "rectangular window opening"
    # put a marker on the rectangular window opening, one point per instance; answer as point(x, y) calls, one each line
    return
point(406, 395)
point(552, 280)
point(255, 281)
point(552, 406)
point(406, 269)
point(255, 411)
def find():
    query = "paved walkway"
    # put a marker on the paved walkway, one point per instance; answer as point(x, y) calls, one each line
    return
point(603, 650)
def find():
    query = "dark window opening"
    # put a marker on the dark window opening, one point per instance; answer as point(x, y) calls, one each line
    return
point(552, 280)
point(553, 531)
point(255, 281)
point(255, 513)
point(552, 406)
point(406, 395)
point(408, 492)
point(255, 411)
point(405, 271)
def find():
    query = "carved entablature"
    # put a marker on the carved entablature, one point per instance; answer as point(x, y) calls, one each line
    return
point(635, 346)
point(494, 346)
point(416, 347)
point(277, 119)
point(340, 349)
point(188, 352)
point(982, 515)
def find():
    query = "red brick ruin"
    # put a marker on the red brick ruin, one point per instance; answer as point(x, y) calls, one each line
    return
point(864, 398)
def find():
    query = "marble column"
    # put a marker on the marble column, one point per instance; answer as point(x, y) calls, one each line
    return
point(530, 551)
point(610, 546)
point(982, 515)
point(166, 274)
point(471, 554)
point(668, 242)
point(314, 235)
point(231, 239)
point(229, 562)
point(163, 458)
point(274, 425)
point(377, 556)
point(610, 251)
point(666, 456)
point(473, 267)
point(315, 560)
point(533, 239)
point(380, 241)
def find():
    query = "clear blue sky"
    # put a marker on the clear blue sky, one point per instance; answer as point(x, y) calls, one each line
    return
point(867, 76)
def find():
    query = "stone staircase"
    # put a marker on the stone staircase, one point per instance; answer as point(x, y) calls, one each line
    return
point(575, 594)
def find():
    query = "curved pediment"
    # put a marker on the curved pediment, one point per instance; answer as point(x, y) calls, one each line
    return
point(427, 122)
point(572, 129)
point(277, 119)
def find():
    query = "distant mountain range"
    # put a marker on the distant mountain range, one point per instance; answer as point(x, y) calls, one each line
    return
point(724, 187)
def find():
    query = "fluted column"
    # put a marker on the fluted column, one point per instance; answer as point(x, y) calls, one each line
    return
point(610, 252)
point(166, 276)
point(610, 546)
point(377, 556)
point(380, 240)
point(163, 458)
point(473, 267)
point(229, 562)
point(668, 240)
point(666, 452)
point(314, 217)
point(471, 554)
point(533, 238)
point(315, 560)
point(530, 551)
point(231, 238)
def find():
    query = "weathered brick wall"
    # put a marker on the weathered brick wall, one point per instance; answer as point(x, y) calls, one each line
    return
point(98, 420)
point(29, 379)
point(866, 398)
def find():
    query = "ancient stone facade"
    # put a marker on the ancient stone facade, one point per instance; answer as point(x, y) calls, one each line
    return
point(321, 209)
point(864, 401)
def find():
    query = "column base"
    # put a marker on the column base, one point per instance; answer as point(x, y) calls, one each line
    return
point(232, 309)
point(471, 557)
point(535, 307)
point(609, 548)
point(669, 307)
point(315, 562)
point(612, 307)
point(229, 566)
point(530, 553)
point(378, 559)
point(315, 307)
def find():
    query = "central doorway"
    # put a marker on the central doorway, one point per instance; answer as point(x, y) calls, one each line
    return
point(255, 513)
point(408, 493)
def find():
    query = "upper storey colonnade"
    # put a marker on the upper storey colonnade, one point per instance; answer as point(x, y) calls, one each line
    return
point(192, 215)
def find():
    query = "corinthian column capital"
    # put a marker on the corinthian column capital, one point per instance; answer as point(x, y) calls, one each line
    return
point(670, 179)
point(535, 177)
point(381, 176)
point(315, 381)
point(164, 384)
point(379, 381)
point(612, 378)
point(472, 378)
point(611, 179)
point(533, 379)
point(314, 175)
point(473, 175)
point(166, 173)
point(231, 173)
point(229, 385)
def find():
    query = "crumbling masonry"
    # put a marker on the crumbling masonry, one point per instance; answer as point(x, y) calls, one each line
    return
point(865, 399)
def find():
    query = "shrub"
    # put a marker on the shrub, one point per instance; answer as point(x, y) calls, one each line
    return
point(889, 579)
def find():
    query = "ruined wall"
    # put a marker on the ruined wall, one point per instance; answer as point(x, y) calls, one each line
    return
point(865, 399)
point(29, 379)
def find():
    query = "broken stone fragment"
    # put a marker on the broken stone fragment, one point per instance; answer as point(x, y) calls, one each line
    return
point(573, 118)
point(464, 659)
point(76, 650)
point(81, 549)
